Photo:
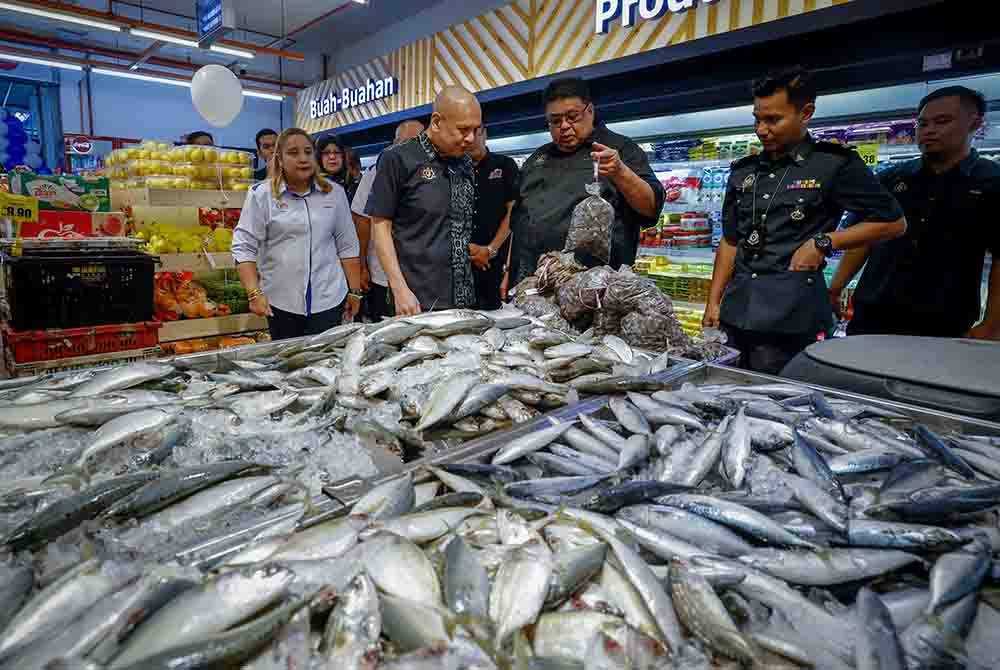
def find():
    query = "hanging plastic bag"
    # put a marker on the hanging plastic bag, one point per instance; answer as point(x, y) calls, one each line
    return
point(590, 227)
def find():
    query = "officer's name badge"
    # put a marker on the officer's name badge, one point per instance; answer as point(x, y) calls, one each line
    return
point(805, 184)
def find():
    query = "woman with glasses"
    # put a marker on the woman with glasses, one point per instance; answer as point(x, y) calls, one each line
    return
point(336, 165)
point(553, 180)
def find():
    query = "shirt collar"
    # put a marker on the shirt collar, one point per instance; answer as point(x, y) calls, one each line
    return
point(964, 168)
point(283, 189)
point(798, 154)
point(462, 165)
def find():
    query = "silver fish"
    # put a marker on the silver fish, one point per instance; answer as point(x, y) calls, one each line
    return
point(123, 377)
point(353, 630)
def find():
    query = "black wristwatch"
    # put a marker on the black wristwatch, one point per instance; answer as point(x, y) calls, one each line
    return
point(824, 244)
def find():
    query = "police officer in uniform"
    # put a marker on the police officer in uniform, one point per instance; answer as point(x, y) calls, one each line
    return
point(929, 281)
point(780, 219)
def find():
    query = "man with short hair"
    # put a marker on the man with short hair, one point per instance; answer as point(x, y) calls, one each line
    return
point(779, 221)
point(200, 138)
point(928, 281)
point(553, 180)
point(379, 301)
point(266, 140)
point(496, 191)
point(422, 205)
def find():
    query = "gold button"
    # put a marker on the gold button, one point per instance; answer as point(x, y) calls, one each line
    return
point(753, 276)
point(767, 197)
point(772, 175)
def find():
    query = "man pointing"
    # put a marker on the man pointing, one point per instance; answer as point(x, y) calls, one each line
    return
point(553, 180)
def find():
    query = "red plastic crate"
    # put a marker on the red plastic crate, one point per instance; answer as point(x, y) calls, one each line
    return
point(31, 346)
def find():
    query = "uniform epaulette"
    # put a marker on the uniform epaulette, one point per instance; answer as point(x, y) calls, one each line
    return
point(834, 148)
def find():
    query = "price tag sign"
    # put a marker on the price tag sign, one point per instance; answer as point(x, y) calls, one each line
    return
point(868, 153)
point(18, 208)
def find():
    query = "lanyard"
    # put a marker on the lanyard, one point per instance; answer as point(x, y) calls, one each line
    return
point(771, 201)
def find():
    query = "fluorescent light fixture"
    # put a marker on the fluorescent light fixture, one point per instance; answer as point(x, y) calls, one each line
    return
point(266, 96)
point(60, 16)
point(165, 37)
point(141, 77)
point(230, 51)
point(39, 61)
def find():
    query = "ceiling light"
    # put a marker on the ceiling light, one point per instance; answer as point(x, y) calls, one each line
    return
point(230, 51)
point(142, 77)
point(60, 16)
point(266, 96)
point(39, 61)
point(165, 37)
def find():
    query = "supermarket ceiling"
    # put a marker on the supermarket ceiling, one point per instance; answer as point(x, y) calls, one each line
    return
point(308, 27)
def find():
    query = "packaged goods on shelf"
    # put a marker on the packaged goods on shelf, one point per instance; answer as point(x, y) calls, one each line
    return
point(67, 224)
point(64, 192)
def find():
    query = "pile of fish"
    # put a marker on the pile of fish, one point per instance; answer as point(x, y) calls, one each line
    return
point(703, 527)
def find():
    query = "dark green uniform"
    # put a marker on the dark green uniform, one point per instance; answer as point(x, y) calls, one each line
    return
point(773, 207)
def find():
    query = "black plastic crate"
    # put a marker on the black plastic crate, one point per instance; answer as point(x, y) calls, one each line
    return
point(67, 291)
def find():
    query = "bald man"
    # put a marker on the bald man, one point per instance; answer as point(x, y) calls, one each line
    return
point(422, 205)
point(373, 280)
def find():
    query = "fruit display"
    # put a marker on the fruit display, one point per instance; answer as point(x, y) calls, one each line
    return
point(166, 239)
point(163, 166)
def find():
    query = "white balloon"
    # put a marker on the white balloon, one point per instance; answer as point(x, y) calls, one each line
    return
point(34, 161)
point(217, 95)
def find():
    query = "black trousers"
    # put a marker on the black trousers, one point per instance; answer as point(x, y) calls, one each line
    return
point(378, 303)
point(284, 325)
point(488, 285)
point(767, 353)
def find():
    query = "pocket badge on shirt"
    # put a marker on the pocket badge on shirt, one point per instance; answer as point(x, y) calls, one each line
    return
point(797, 214)
point(748, 182)
point(428, 173)
point(497, 174)
point(900, 187)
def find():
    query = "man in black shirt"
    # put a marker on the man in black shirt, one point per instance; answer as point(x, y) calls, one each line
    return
point(780, 218)
point(553, 180)
point(496, 191)
point(267, 139)
point(421, 206)
point(928, 281)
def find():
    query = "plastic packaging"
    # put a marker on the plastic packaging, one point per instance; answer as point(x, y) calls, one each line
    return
point(555, 269)
point(590, 226)
point(584, 294)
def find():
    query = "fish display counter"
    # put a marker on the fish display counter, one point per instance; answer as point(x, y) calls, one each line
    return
point(679, 519)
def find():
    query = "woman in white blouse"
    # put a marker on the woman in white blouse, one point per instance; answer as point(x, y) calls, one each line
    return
point(296, 248)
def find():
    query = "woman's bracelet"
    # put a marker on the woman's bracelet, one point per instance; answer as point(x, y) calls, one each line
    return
point(254, 294)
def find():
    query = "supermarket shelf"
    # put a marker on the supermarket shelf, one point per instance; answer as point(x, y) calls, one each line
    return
point(659, 166)
point(199, 262)
point(211, 327)
point(164, 197)
point(700, 255)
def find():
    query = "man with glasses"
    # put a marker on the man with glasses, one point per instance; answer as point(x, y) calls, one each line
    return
point(553, 180)
point(422, 207)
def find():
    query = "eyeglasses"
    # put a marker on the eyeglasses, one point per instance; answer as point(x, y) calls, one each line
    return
point(573, 117)
point(332, 153)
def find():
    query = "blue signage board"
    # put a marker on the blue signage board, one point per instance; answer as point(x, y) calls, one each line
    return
point(211, 20)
